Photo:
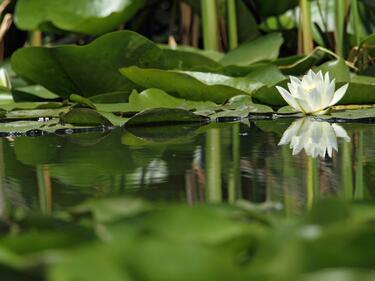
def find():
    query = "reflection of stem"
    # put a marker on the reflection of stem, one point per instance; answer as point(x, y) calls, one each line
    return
point(359, 190)
point(346, 171)
point(312, 181)
point(234, 181)
point(2, 178)
point(288, 173)
point(45, 189)
point(213, 166)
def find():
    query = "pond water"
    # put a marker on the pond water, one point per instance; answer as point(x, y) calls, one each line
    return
point(213, 163)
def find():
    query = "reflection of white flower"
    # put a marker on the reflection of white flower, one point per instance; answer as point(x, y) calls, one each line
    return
point(317, 138)
point(314, 94)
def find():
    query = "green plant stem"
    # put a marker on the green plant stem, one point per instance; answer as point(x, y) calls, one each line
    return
point(312, 181)
point(359, 189)
point(234, 181)
point(307, 40)
point(340, 9)
point(210, 25)
point(346, 171)
point(213, 166)
point(356, 21)
point(36, 38)
point(232, 24)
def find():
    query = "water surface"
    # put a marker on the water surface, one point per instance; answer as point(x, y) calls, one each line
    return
point(214, 163)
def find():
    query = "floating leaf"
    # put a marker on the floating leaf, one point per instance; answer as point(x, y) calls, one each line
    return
point(263, 48)
point(196, 86)
point(337, 69)
point(87, 16)
point(82, 101)
point(86, 70)
point(84, 116)
point(164, 116)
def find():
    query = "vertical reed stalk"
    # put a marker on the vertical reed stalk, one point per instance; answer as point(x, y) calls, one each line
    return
point(306, 28)
point(340, 11)
point(36, 38)
point(232, 24)
point(210, 24)
point(213, 140)
point(356, 21)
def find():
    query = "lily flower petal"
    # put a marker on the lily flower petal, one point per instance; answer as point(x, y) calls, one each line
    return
point(339, 94)
point(289, 98)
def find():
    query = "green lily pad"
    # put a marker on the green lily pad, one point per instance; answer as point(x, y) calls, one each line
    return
point(84, 116)
point(86, 70)
point(87, 16)
point(196, 86)
point(164, 116)
point(82, 101)
point(264, 48)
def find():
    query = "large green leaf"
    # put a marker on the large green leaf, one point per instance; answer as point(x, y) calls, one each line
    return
point(86, 70)
point(197, 86)
point(92, 70)
point(88, 16)
point(274, 7)
point(265, 48)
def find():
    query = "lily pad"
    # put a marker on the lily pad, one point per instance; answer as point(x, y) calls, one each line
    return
point(86, 70)
point(88, 16)
point(264, 48)
point(165, 116)
point(84, 116)
point(196, 86)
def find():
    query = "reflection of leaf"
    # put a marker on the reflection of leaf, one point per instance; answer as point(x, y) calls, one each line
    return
point(159, 135)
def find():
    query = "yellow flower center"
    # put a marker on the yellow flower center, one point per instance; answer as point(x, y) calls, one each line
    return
point(309, 88)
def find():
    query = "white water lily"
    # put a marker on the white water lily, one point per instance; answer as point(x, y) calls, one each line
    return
point(317, 138)
point(314, 94)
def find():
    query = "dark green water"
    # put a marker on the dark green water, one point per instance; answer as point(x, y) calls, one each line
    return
point(184, 164)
